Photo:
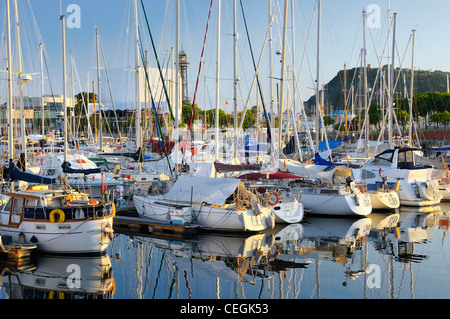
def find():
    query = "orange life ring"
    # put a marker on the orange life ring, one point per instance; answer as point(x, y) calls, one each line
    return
point(81, 161)
point(361, 188)
point(273, 203)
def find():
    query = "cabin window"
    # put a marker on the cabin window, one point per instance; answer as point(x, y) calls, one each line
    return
point(31, 203)
point(17, 205)
point(8, 206)
point(406, 160)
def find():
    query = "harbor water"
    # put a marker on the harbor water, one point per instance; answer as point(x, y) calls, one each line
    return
point(387, 255)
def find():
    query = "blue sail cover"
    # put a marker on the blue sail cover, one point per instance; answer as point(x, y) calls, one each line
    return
point(67, 169)
point(15, 174)
point(332, 143)
point(318, 160)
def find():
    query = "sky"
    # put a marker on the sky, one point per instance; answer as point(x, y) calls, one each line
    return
point(341, 42)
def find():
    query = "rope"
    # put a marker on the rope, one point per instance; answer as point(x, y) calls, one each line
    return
point(198, 78)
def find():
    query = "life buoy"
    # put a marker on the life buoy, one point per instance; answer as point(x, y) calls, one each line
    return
point(62, 216)
point(81, 161)
point(277, 199)
point(361, 188)
point(69, 198)
point(93, 202)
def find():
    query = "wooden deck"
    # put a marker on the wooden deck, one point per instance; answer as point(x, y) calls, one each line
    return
point(142, 226)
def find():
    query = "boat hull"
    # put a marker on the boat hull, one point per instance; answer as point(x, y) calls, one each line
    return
point(338, 205)
point(384, 200)
point(87, 237)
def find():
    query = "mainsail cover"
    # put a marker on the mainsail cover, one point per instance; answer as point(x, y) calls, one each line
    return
point(15, 174)
point(213, 191)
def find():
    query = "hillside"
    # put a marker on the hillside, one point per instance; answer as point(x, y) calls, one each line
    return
point(424, 82)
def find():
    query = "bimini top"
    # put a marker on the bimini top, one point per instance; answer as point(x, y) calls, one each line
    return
point(213, 191)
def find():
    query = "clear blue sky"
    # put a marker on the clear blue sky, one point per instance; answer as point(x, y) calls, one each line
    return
point(341, 41)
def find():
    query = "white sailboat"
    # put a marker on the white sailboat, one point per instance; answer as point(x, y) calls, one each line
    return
point(210, 203)
point(56, 221)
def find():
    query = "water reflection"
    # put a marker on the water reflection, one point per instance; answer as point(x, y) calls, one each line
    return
point(322, 257)
point(50, 277)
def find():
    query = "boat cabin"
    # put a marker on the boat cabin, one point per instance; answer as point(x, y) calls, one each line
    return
point(401, 158)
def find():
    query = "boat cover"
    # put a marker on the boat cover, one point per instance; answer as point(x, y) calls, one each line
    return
point(213, 191)
point(15, 174)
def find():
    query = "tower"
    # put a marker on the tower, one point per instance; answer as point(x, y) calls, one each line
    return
point(183, 65)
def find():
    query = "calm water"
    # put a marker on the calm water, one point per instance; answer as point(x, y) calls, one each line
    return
point(384, 256)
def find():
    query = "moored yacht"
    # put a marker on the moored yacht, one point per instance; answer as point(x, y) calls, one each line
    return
point(414, 182)
point(57, 221)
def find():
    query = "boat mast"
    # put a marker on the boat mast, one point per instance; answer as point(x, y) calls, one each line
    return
point(318, 77)
point(138, 77)
point(41, 49)
point(366, 117)
point(63, 27)
point(282, 77)
point(272, 115)
point(391, 88)
point(219, 4)
point(235, 77)
point(411, 99)
point(10, 89)
point(100, 139)
point(177, 86)
point(22, 81)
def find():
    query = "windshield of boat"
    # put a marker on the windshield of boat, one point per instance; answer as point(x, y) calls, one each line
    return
point(384, 159)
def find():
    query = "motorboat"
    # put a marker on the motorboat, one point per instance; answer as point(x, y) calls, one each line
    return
point(210, 203)
point(58, 221)
point(414, 181)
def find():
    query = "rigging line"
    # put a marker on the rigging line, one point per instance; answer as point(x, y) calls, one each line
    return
point(144, 62)
point(198, 78)
point(269, 129)
point(110, 92)
point(157, 62)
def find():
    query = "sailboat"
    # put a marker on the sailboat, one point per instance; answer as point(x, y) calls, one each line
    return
point(222, 204)
point(287, 208)
point(59, 221)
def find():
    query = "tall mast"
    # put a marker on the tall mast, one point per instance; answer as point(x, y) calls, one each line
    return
point(391, 87)
point(63, 27)
point(100, 139)
point(412, 88)
point(177, 85)
point(283, 71)
point(366, 117)
point(41, 49)
point(272, 115)
point(22, 81)
point(294, 86)
point(138, 77)
point(235, 79)
point(318, 77)
point(219, 4)
point(10, 89)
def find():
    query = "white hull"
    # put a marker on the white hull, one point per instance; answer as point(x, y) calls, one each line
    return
point(384, 200)
point(339, 205)
point(288, 211)
point(205, 216)
point(85, 237)
point(444, 191)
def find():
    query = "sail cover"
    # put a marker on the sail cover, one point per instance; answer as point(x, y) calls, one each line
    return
point(15, 174)
point(213, 191)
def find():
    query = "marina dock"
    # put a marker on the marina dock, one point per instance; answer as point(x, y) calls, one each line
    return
point(137, 225)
